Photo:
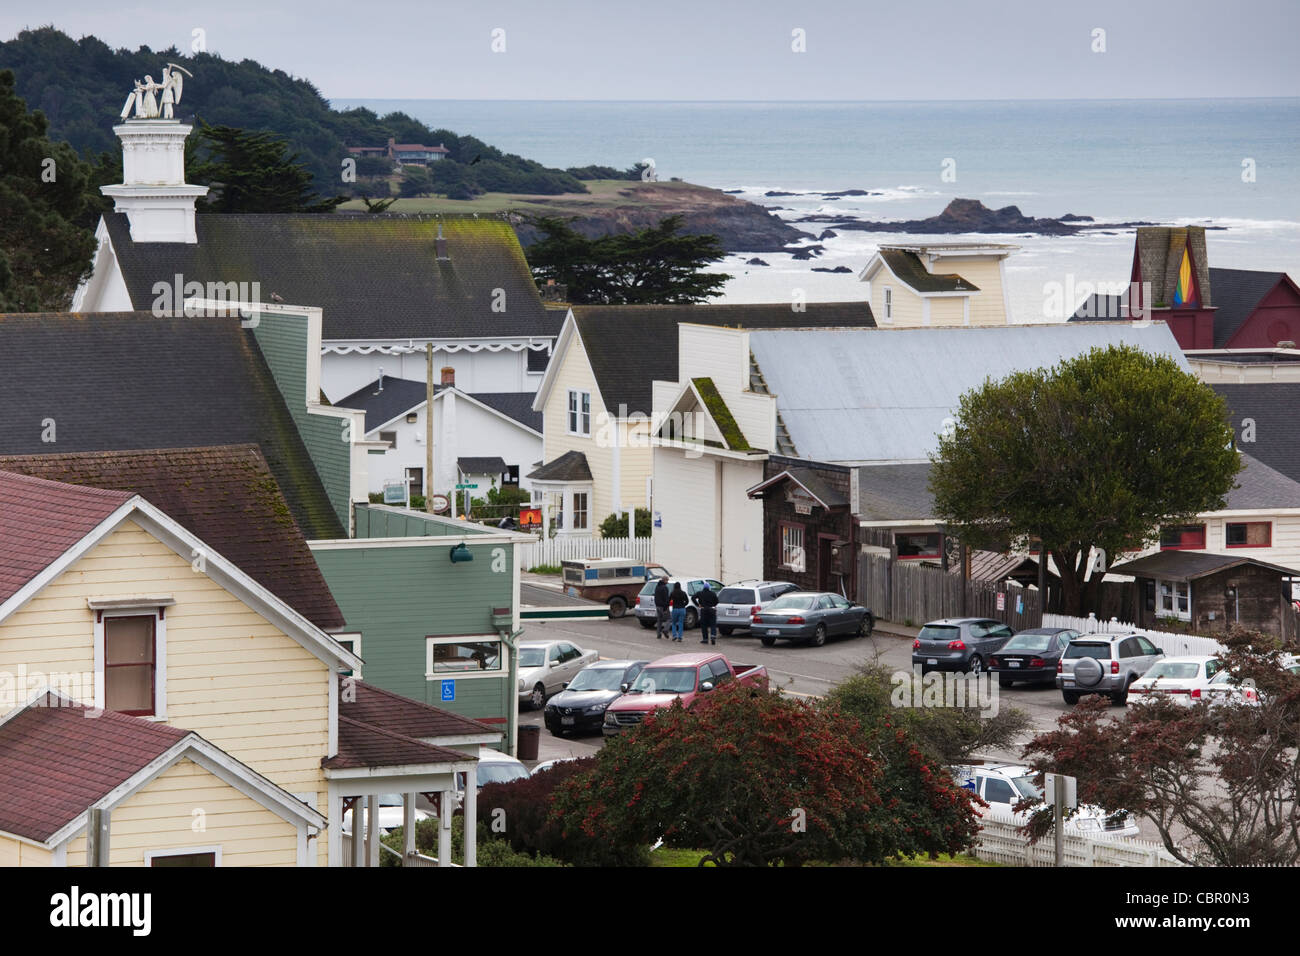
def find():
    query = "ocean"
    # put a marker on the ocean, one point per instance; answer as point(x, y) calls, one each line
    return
point(1231, 165)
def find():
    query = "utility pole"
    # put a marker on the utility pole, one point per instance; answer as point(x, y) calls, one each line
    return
point(428, 430)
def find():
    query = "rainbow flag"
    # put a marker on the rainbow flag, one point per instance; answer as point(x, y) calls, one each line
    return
point(1183, 291)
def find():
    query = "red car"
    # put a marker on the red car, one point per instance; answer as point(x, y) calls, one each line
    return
point(679, 676)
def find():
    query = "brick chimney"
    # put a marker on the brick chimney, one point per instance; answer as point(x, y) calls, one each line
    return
point(448, 376)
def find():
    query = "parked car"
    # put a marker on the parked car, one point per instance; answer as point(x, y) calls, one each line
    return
point(1005, 785)
point(493, 767)
point(545, 666)
point(739, 602)
point(684, 676)
point(580, 706)
point(391, 813)
point(1184, 680)
point(1104, 664)
point(958, 644)
point(1225, 687)
point(612, 581)
point(811, 617)
point(645, 601)
point(548, 764)
point(1030, 656)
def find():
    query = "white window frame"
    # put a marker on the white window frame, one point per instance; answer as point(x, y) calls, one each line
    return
point(1175, 591)
point(215, 850)
point(581, 515)
point(502, 673)
point(579, 413)
point(159, 612)
point(791, 551)
point(352, 641)
point(887, 303)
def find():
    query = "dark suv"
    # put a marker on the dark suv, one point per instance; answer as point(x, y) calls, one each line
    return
point(958, 644)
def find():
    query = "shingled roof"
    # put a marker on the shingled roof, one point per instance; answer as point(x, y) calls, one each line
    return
point(374, 276)
point(115, 381)
point(907, 266)
point(571, 466)
point(367, 704)
point(401, 395)
point(631, 346)
point(224, 495)
point(1268, 414)
point(55, 763)
point(1237, 292)
point(40, 520)
point(365, 745)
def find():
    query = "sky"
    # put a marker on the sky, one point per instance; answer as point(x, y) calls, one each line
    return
point(723, 49)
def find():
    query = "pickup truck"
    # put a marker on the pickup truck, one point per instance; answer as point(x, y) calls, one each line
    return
point(679, 676)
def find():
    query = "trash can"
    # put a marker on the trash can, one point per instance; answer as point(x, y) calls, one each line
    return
point(530, 738)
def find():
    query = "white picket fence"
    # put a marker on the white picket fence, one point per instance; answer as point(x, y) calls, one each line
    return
point(1171, 644)
point(570, 547)
point(1001, 842)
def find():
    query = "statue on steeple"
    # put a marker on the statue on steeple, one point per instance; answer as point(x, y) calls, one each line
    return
point(144, 101)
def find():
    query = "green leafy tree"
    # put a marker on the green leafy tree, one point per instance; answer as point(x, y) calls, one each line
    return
point(47, 207)
point(947, 735)
point(1095, 453)
point(1220, 783)
point(656, 265)
point(759, 780)
point(416, 181)
point(615, 526)
point(252, 172)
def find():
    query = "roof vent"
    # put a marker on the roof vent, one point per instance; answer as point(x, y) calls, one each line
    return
point(440, 244)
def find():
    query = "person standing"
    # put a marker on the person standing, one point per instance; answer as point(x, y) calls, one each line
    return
point(679, 600)
point(708, 602)
point(663, 608)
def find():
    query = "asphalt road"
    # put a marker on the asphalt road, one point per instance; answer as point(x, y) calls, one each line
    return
point(796, 669)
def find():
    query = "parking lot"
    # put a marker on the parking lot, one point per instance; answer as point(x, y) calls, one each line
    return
point(796, 669)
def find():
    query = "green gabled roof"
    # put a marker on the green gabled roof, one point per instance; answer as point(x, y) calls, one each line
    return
point(374, 276)
point(721, 414)
point(909, 269)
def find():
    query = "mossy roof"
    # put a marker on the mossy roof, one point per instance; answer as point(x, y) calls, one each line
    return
point(126, 381)
point(224, 495)
point(721, 414)
point(374, 276)
point(909, 269)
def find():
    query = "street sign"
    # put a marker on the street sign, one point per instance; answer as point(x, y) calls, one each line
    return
point(462, 487)
point(449, 690)
point(1069, 789)
point(1002, 601)
point(395, 493)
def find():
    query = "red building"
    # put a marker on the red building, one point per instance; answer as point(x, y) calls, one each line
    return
point(1205, 308)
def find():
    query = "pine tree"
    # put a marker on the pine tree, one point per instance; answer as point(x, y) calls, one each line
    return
point(249, 172)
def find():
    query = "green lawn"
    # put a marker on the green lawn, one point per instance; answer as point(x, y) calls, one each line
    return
point(603, 193)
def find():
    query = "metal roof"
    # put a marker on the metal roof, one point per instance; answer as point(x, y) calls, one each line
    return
point(863, 395)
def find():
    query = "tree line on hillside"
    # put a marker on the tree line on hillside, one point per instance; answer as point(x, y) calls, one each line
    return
point(79, 86)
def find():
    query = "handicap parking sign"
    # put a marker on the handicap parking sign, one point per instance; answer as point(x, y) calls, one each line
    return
point(449, 690)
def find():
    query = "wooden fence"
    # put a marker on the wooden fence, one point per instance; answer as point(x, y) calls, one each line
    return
point(901, 591)
point(570, 547)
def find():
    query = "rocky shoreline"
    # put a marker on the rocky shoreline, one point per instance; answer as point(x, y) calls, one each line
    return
point(972, 216)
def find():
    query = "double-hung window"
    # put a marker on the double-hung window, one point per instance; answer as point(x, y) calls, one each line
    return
point(130, 658)
point(792, 553)
point(579, 413)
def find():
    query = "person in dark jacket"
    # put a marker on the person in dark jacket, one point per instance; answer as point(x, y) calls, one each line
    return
point(679, 601)
point(663, 608)
point(708, 602)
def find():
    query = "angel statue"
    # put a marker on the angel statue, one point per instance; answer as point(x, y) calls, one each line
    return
point(143, 100)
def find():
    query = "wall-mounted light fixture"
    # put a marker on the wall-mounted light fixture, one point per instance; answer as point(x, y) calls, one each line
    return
point(461, 553)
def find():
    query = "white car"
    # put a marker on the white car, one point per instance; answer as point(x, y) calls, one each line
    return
point(1005, 785)
point(1184, 680)
point(546, 666)
point(390, 813)
point(493, 767)
point(1225, 688)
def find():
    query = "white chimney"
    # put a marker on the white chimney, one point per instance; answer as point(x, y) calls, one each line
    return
point(153, 192)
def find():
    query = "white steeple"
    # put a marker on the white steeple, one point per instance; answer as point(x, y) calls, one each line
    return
point(153, 192)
